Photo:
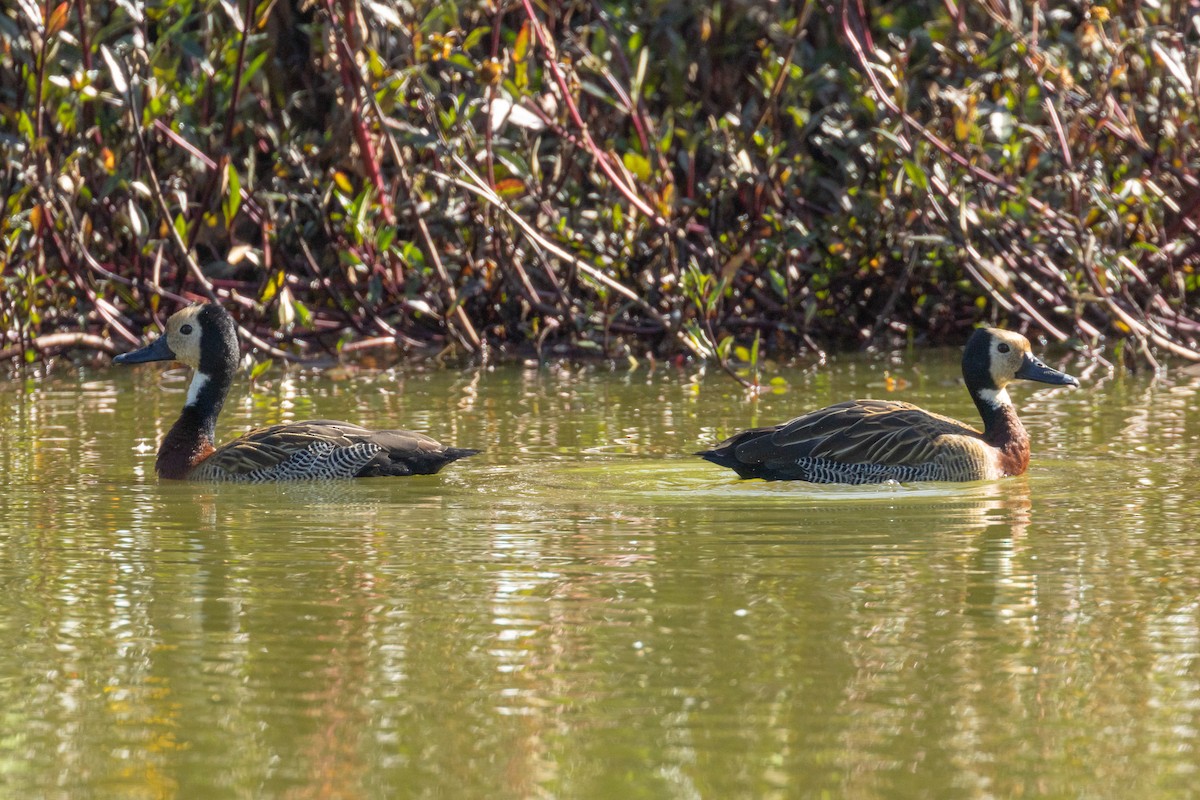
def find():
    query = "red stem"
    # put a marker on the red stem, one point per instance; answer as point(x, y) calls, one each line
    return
point(601, 157)
point(361, 134)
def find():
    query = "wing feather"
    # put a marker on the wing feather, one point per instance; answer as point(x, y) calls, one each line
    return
point(878, 432)
point(267, 448)
point(325, 448)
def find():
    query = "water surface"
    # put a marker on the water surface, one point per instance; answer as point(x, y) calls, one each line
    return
point(585, 609)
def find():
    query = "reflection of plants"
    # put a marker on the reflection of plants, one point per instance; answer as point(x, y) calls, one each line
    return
point(609, 177)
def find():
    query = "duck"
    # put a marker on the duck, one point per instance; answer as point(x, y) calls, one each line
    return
point(873, 441)
point(204, 337)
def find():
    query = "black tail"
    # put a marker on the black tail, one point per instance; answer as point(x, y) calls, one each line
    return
point(413, 463)
point(740, 454)
point(723, 455)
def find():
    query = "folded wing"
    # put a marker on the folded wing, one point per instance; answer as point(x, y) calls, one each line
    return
point(325, 449)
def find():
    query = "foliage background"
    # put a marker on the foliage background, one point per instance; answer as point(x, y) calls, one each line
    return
point(571, 176)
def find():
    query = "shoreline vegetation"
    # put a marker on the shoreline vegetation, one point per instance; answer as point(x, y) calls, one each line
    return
point(664, 180)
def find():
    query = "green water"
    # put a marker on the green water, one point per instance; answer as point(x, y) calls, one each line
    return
point(585, 610)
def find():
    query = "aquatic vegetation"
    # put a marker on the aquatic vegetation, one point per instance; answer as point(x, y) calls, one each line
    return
point(604, 178)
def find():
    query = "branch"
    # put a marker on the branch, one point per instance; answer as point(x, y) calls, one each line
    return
point(54, 342)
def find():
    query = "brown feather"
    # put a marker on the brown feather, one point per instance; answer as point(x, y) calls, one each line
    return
point(400, 452)
point(859, 432)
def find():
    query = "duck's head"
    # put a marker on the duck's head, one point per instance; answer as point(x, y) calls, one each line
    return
point(203, 337)
point(993, 358)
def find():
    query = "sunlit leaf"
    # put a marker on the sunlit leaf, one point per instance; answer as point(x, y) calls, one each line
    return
point(510, 187)
point(724, 347)
point(272, 286)
point(1001, 124)
point(521, 46)
point(503, 110)
point(302, 313)
point(962, 129)
point(135, 220)
point(254, 66)
point(778, 283)
point(520, 63)
point(1173, 63)
point(235, 15)
point(259, 368)
point(384, 238)
point(285, 313)
point(58, 20)
point(233, 196)
point(32, 10)
point(474, 37)
point(384, 13)
point(238, 253)
point(114, 70)
point(916, 175)
point(638, 164)
point(25, 126)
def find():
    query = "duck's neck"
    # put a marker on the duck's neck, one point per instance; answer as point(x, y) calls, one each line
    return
point(192, 437)
point(1003, 430)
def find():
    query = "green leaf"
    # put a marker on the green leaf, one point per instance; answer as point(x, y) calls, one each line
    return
point(384, 238)
point(254, 66)
point(25, 126)
point(916, 175)
point(521, 46)
point(302, 313)
point(520, 58)
point(778, 283)
point(274, 284)
point(475, 36)
point(664, 141)
point(233, 197)
point(259, 369)
point(638, 164)
point(724, 347)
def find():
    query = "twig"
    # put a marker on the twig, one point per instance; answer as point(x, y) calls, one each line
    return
point(231, 116)
point(361, 135)
point(601, 158)
point(462, 327)
point(479, 188)
point(61, 341)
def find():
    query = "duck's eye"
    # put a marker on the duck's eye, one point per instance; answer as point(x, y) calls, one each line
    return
point(186, 330)
point(1003, 348)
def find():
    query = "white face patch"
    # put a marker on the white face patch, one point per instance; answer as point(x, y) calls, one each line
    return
point(995, 397)
point(183, 335)
point(199, 381)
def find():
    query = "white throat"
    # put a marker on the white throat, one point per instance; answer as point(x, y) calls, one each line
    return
point(199, 381)
point(996, 398)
